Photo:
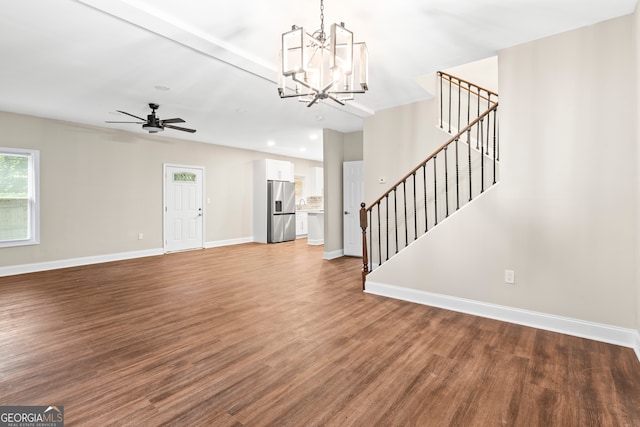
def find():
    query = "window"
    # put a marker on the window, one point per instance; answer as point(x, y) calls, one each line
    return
point(299, 180)
point(19, 201)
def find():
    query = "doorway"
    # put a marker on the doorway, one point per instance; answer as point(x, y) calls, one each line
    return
point(352, 196)
point(183, 210)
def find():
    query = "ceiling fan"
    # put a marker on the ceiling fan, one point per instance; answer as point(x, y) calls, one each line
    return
point(153, 123)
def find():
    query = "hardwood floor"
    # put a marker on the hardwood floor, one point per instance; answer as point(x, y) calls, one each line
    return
point(272, 335)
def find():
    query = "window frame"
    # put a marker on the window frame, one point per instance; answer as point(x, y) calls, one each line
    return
point(33, 197)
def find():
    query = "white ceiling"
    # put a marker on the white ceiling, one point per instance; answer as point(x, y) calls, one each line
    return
point(80, 60)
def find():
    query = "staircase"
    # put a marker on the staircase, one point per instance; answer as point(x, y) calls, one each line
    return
point(452, 176)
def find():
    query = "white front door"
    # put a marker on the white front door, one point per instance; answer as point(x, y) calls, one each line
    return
point(183, 210)
point(352, 196)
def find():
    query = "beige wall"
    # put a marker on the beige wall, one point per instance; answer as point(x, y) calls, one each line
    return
point(395, 141)
point(352, 146)
point(101, 187)
point(338, 148)
point(483, 73)
point(565, 214)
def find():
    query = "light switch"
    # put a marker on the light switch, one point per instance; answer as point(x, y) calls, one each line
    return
point(510, 277)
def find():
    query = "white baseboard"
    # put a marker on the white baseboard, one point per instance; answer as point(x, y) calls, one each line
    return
point(228, 242)
point(316, 242)
point(333, 254)
point(580, 328)
point(75, 262)
point(98, 259)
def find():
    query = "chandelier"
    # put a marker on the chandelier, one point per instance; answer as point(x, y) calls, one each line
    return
point(315, 66)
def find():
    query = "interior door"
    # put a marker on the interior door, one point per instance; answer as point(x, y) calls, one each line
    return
point(183, 209)
point(353, 195)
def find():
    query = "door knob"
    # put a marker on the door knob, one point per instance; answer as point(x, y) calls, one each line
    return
point(346, 212)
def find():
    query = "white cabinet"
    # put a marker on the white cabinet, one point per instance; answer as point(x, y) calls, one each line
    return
point(279, 170)
point(316, 181)
point(301, 223)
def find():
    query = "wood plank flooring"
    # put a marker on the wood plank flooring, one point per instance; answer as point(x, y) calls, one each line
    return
point(272, 335)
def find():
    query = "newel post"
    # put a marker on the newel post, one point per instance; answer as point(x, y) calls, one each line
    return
point(365, 258)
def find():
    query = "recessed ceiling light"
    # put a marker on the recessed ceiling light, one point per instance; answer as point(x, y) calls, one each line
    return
point(319, 117)
point(271, 143)
point(303, 149)
point(313, 136)
point(162, 88)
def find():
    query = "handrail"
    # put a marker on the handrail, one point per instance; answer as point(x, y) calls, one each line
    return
point(402, 209)
point(435, 153)
point(474, 93)
point(449, 76)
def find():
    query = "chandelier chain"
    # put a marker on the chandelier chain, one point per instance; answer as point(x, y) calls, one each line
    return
point(322, 33)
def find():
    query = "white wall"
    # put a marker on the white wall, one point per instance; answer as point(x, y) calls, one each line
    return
point(101, 187)
point(565, 214)
point(637, 55)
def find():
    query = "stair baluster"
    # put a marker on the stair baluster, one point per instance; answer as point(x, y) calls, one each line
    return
point(487, 146)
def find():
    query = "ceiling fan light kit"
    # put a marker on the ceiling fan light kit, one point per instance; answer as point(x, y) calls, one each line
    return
point(315, 66)
point(152, 128)
point(153, 124)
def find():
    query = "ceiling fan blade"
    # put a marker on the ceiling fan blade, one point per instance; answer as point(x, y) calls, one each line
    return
point(180, 128)
point(176, 120)
point(129, 114)
point(140, 123)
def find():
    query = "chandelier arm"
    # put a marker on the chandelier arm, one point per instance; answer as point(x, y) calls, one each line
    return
point(313, 101)
point(314, 91)
point(335, 99)
point(338, 92)
point(328, 86)
point(297, 95)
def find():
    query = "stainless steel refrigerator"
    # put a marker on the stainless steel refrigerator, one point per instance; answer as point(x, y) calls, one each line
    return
point(281, 212)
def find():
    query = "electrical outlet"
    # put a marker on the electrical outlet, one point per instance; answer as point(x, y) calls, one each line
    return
point(510, 277)
point(140, 236)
